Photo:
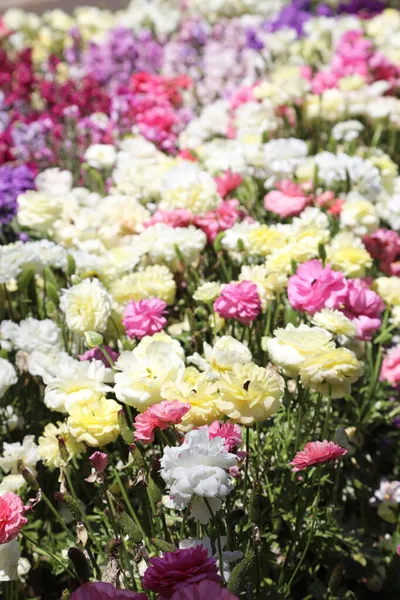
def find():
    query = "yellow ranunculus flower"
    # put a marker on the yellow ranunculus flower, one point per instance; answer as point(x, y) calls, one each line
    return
point(331, 371)
point(263, 240)
point(250, 393)
point(49, 449)
point(353, 262)
point(94, 422)
point(335, 322)
point(155, 280)
point(389, 289)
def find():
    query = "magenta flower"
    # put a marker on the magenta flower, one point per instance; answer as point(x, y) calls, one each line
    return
point(384, 246)
point(159, 416)
point(201, 591)
point(177, 570)
point(99, 461)
point(363, 306)
point(227, 182)
point(231, 433)
point(239, 301)
point(288, 200)
point(104, 591)
point(144, 317)
point(12, 517)
point(390, 370)
point(179, 217)
point(314, 287)
point(315, 453)
point(96, 354)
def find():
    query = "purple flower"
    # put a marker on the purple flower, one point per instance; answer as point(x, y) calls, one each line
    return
point(13, 182)
point(253, 41)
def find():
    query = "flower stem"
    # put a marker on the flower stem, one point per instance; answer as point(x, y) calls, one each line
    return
point(216, 526)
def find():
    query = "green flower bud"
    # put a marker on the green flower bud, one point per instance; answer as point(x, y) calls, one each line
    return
point(93, 339)
point(162, 545)
point(129, 527)
point(240, 574)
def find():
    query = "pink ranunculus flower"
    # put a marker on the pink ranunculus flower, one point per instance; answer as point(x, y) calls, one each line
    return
point(227, 182)
point(144, 317)
point(179, 217)
point(314, 287)
point(231, 433)
point(239, 301)
point(104, 591)
point(176, 570)
point(364, 307)
point(288, 200)
point(384, 246)
point(99, 461)
point(315, 453)
point(210, 590)
point(12, 517)
point(96, 354)
point(390, 370)
point(215, 221)
point(159, 416)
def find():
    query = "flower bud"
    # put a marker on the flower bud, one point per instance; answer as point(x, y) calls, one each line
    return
point(238, 579)
point(93, 339)
point(30, 479)
point(99, 461)
point(336, 578)
point(52, 294)
point(255, 504)
point(71, 503)
point(162, 545)
point(71, 265)
point(129, 527)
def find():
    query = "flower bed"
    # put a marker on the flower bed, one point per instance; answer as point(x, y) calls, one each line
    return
point(200, 301)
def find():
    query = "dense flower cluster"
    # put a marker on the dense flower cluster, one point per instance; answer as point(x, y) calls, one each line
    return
point(200, 300)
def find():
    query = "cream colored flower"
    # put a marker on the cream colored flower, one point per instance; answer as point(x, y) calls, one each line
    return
point(141, 379)
point(290, 347)
point(347, 253)
point(94, 422)
point(226, 352)
point(359, 215)
point(49, 444)
point(268, 284)
point(197, 389)
point(207, 292)
point(263, 240)
point(389, 289)
point(188, 186)
point(250, 393)
point(332, 371)
point(101, 156)
point(87, 306)
point(38, 210)
point(335, 322)
point(155, 280)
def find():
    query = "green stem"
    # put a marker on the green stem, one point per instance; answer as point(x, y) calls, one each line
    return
point(246, 467)
point(219, 545)
point(128, 504)
point(55, 513)
point(328, 414)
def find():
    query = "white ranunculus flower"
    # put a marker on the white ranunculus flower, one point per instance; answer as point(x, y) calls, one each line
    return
point(11, 483)
point(76, 381)
point(140, 381)
point(8, 330)
point(199, 468)
point(160, 241)
point(54, 181)
point(33, 334)
point(47, 364)
point(8, 376)
point(291, 346)
point(87, 306)
point(39, 210)
point(359, 215)
point(188, 186)
point(10, 554)
point(347, 131)
point(17, 454)
point(141, 349)
point(101, 156)
point(226, 352)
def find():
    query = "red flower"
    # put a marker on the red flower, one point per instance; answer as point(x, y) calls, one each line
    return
point(317, 452)
point(205, 589)
point(176, 570)
point(104, 591)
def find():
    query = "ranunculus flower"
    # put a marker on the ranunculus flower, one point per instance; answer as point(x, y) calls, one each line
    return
point(144, 317)
point(96, 354)
point(12, 517)
point(239, 301)
point(227, 182)
point(176, 570)
point(159, 416)
point(99, 460)
point(231, 433)
point(363, 306)
point(104, 591)
point(314, 287)
point(390, 370)
point(288, 200)
point(315, 453)
point(205, 589)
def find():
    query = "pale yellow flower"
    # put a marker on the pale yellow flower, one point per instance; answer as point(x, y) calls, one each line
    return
point(49, 447)
point(331, 372)
point(389, 289)
point(335, 322)
point(94, 422)
point(87, 306)
point(155, 280)
point(263, 240)
point(250, 393)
